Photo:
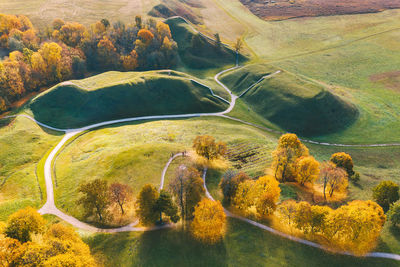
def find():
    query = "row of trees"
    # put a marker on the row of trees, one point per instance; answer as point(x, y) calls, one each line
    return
point(353, 227)
point(70, 50)
point(26, 241)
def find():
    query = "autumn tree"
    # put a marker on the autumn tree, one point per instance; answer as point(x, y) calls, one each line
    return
point(261, 194)
point(209, 223)
point(10, 250)
point(187, 188)
point(71, 33)
point(307, 170)
point(386, 193)
point(145, 205)
point(343, 160)
point(334, 178)
point(145, 36)
point(230, 182)
point(287, 211)
point(130, 62)
point(206, 146)
point(165, 205)
point(23, 223)
point(394, 213)
point(238, 45)
point(107, 53)
point(120, 194)
point(95, 199)
point(285, 157)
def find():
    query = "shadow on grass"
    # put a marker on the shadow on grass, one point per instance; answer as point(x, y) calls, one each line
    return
point(395, 231)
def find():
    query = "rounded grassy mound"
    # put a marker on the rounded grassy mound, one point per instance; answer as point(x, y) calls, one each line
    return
point(116, 95)
point(292, 103)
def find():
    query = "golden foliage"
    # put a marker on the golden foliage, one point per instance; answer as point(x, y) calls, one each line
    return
point(209, 223)
point(307, 170)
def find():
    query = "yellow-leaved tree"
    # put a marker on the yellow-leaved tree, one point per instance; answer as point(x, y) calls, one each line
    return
point(209, 223)
point(285, 157)
point(307, 170)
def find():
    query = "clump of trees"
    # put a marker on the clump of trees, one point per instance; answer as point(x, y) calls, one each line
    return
point(394, 213)
point(56, 245)
point(230, 182)
point(151, 206)
point(344, 160)
point(97, 198)
point(69, 50)
point(353, 227)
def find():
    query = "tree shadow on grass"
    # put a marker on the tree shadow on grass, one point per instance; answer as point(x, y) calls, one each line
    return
point(174, 247)
point(395, 231)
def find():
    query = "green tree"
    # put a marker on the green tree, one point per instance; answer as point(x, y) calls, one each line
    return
point(164, 204)
point(230, 182)
point(145, 205)
point(23, 223)
point(394, 213)
point(386, 193)
point(95, 199)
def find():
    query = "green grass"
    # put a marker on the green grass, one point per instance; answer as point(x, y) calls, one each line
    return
point(292, 103)
point(115, 95)
point(244, 245)
point(23, 144)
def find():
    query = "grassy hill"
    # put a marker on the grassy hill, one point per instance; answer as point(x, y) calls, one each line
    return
point(202, 53)
point(115, 95)
point(292, 103)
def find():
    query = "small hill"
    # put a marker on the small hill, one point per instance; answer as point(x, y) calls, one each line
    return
point(187, 9)
point(197, 51)
point(117, 95)
point(292, 103)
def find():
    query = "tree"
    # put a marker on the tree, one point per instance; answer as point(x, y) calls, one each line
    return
point(95, 199)
point(164, 204)
point(238, 45)
point(130, 62)
point(138, 21)
point(145, 36)
point(120, 194)
point(206, 146)
point(230, 182)
point(72, 33)
point(145, 205)
point(9, 251)
point(344, 161)
point(386, 193)
point(394, 213)
point(285, 156)
point(334, 178)
point(307, 170)
point(187, 187)
point(23, 223)
point(218, 43)
point(209, 223)
point(262, 194)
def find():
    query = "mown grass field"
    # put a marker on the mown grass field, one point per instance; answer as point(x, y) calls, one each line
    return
point(22, 145)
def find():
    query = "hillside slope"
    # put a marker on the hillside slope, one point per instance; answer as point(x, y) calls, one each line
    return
point(290, 102)
point(116, 95)
point(197, 51)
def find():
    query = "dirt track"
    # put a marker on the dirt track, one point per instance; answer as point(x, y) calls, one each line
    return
point(285, 9)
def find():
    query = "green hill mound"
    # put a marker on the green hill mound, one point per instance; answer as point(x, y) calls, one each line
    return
point(116, 95)
point(292, 103)
point(197, 51)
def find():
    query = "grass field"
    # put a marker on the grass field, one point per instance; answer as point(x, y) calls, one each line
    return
point(244, 245)
point(292, 103)
point(118, 95)
point(22, 145)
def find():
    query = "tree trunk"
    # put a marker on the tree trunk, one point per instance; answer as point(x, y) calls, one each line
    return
point(122, 209)
point(325, 181)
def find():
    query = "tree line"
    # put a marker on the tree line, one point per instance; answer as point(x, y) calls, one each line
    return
point(67, 50)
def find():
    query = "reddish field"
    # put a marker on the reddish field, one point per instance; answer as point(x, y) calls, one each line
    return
point(390, 79)
point(285, 9)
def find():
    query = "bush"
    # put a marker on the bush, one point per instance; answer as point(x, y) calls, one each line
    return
point(394, 213)
point(386, 193)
